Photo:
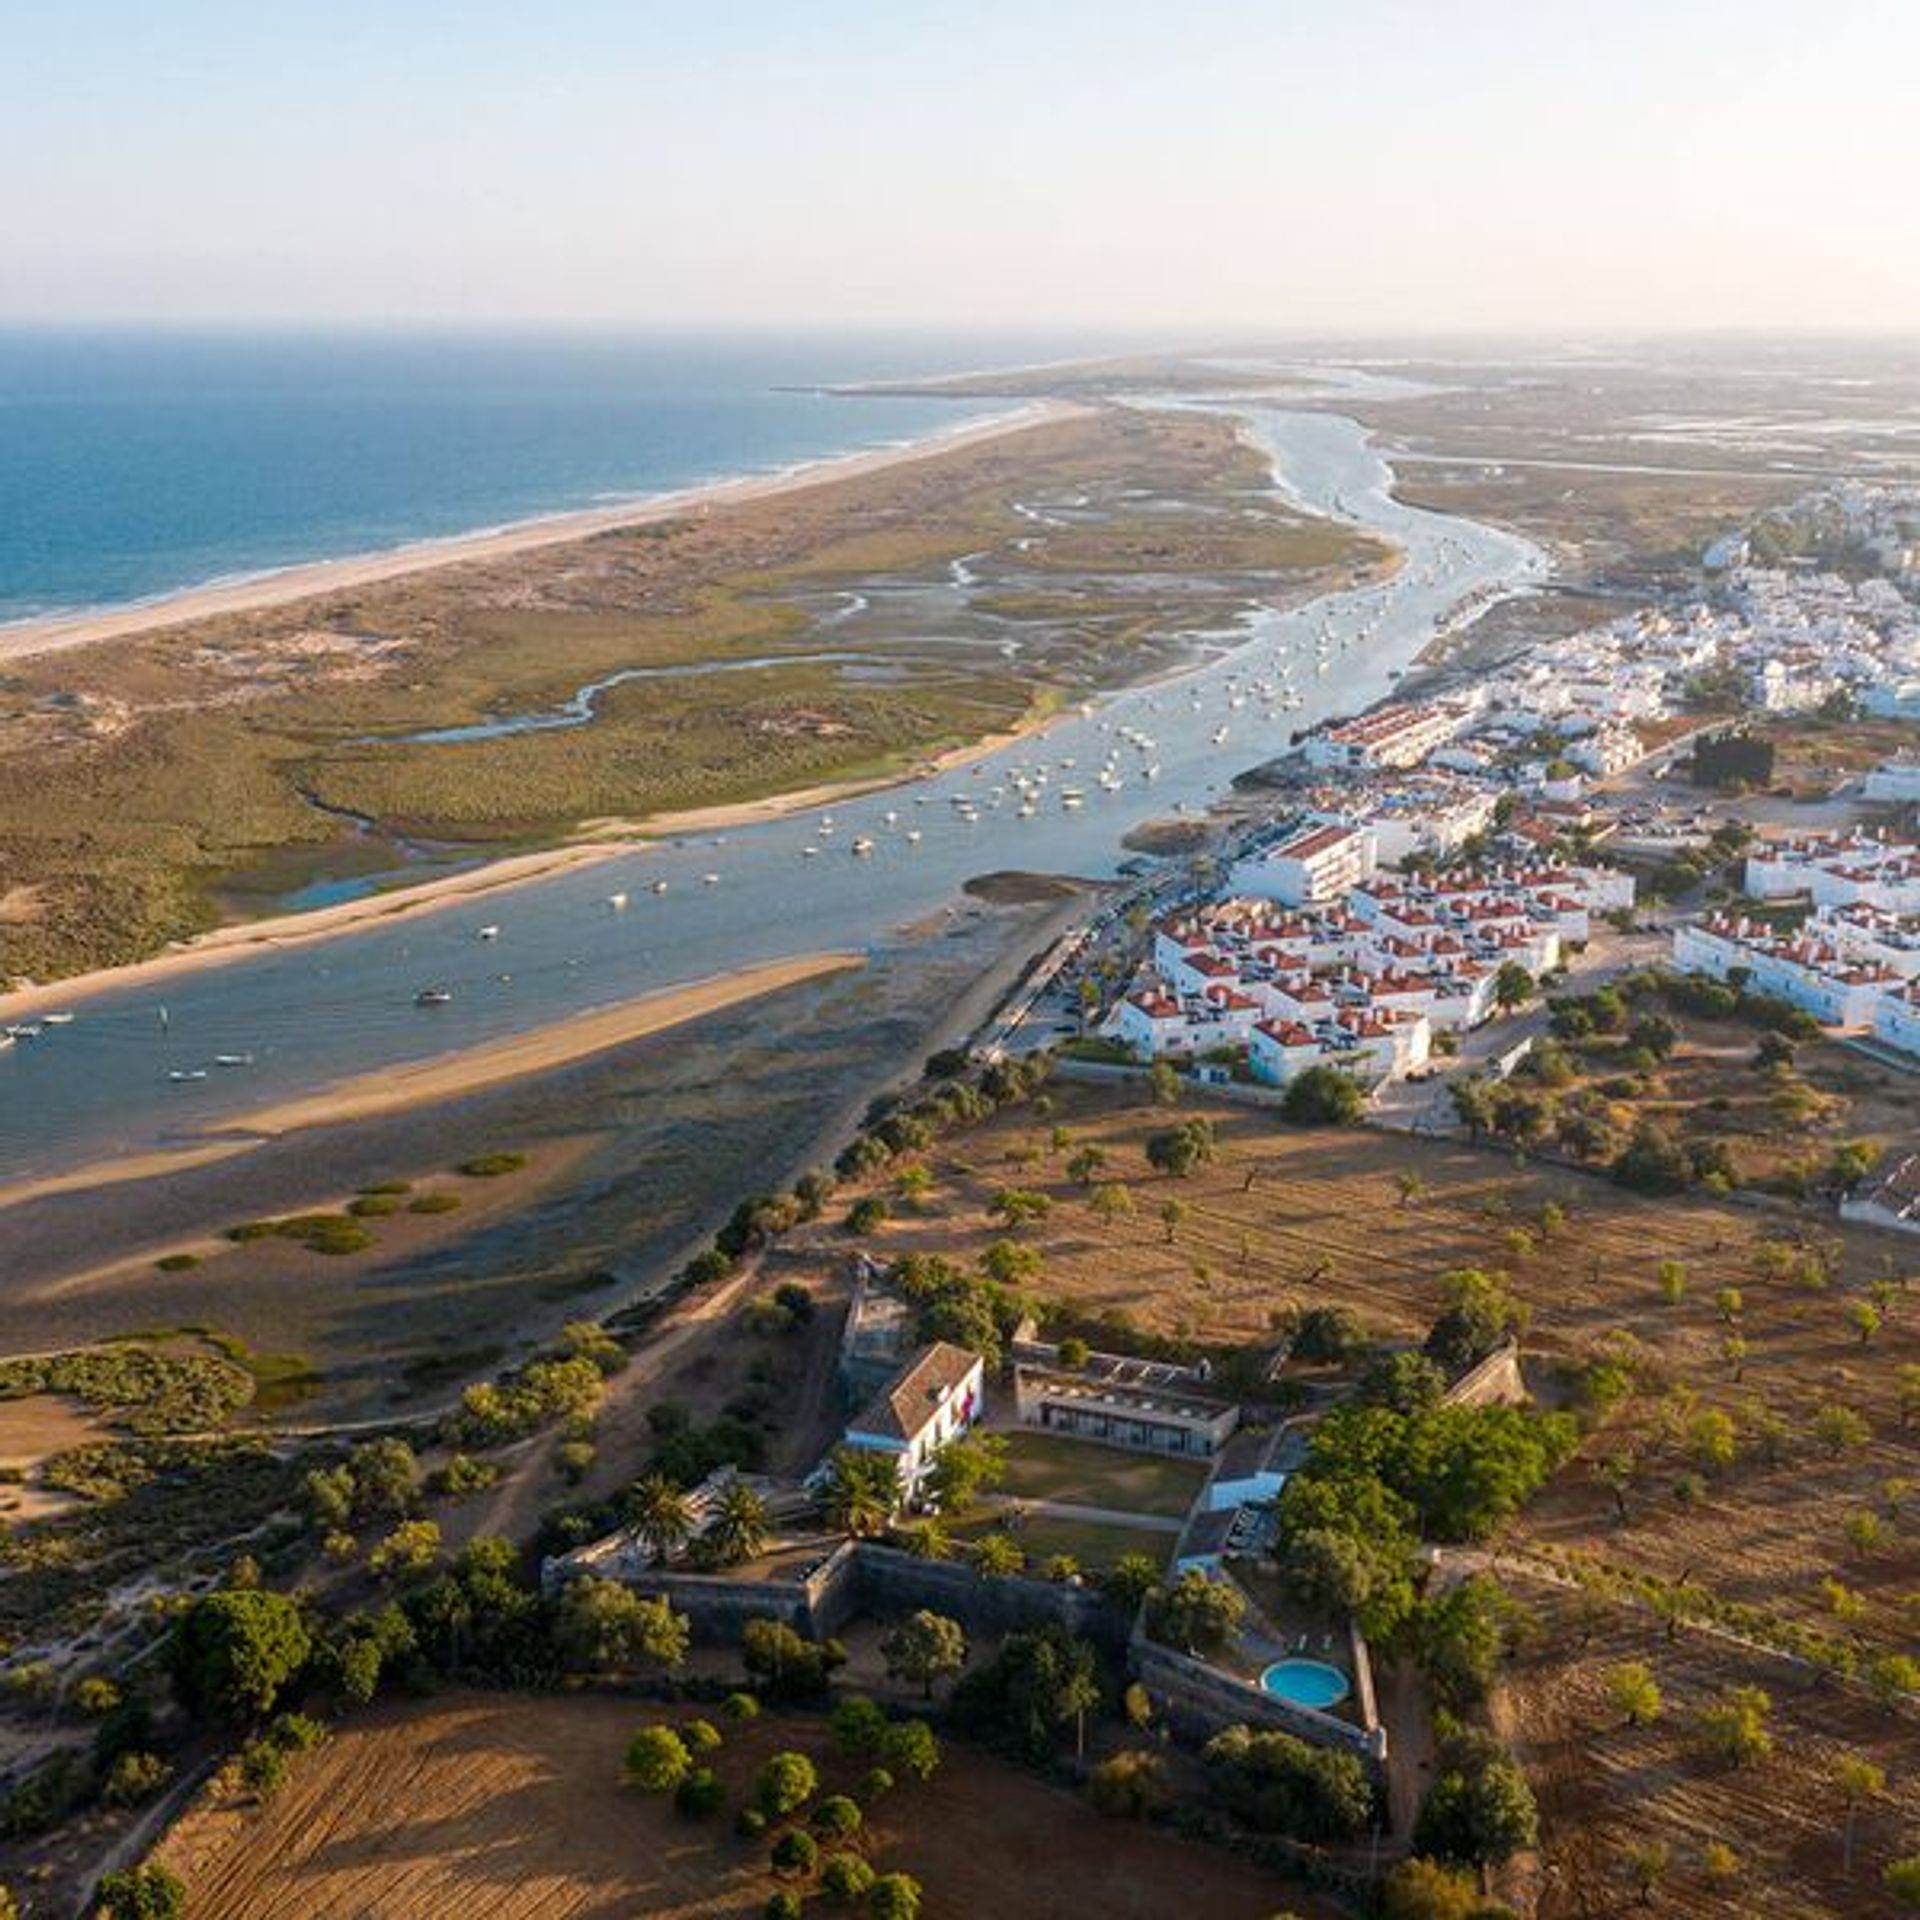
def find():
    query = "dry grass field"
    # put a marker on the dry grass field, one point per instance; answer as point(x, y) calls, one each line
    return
point(1606, 1789)
point(507, 1808)
point(1289, 1218)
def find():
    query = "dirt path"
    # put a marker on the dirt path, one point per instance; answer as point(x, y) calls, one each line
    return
point(512, 1507)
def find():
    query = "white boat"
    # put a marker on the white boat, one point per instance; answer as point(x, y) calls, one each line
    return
point(1027, 810)
point(709, 879)
point(180, 1075)
point(56, 1019)
point(488, 933)
point(913, 836)
point(25, 1030)
point(233, 1059)
point(862, 847)
point(809, 853)
point(433, 997)
point(659, 886)
point(616, 901)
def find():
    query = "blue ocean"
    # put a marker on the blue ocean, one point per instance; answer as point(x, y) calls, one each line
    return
point(135, 464)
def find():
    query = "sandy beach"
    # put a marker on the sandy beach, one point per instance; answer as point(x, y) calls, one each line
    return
point(246, 937)
point(447, 1076)
point(60, 632)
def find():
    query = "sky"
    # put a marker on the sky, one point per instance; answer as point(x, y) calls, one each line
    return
point(1243, 166)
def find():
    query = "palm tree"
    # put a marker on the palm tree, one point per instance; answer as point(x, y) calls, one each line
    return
point(861, 1491)
point(739, 1530)
point(925, 1540)
point(662, 1515)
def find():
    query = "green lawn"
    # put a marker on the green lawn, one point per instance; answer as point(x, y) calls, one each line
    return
point(1044, 1466)
point(1094, 1546)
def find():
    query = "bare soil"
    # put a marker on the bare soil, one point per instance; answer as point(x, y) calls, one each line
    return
point(512, 1809)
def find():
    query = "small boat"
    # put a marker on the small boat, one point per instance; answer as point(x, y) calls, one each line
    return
point(913, 836)
point(659, 886)
point(862, 847)
point(25, 1030)
point(616, 901)
point(433, 997)
point(808, 853)
point(56, 1019)
point(233, 1059)
point(488, 933)
point(1028, 810)
point(181, 1075)
point(709, 879)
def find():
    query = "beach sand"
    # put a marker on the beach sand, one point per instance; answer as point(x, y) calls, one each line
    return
point(449, 1076)
point(296, 929)
point(60, 632)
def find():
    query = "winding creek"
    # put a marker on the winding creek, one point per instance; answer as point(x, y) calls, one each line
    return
point(312, 1014)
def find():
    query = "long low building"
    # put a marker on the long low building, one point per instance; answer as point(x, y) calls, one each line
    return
point(1143, 1416)
point(1803, 969)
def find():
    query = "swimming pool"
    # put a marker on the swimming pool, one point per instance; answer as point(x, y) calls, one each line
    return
point(1305, 1683)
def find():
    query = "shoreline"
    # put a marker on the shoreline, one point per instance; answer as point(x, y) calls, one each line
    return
point(443, 1077)
point(597, 841)
point(283, 586)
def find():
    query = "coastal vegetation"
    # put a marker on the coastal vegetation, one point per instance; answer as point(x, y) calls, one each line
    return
point(149, 786)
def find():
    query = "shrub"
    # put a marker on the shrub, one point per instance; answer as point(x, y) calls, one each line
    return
point(846, 1878)
point(374, 1206)
point(836, 1817)
point(894, 1896)
point(133, 1777)
point(740, 1706)
point(859, 1725)
point(796, 1852)
point(1323, 1097)
point(910, 1747)
point(786, 1782)
point(699, 1794)
point(783, 1906)
point(1130, 1785)
point(434, 1203)
point(490, 1166)
point(142, 1893)
point(177, 1262)
point(657, 1760)
point(701, 1736)
point(867, 1214)
point(263, 1769)
point(749, 1823)
point(234, 1650)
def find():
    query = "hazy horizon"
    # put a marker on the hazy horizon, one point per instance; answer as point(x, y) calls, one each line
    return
point(1252, 170)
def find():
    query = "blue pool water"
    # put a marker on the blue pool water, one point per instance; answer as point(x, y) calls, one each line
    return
point(1305, 1683)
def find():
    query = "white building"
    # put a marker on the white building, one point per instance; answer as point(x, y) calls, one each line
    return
point(1892, 1201)
point(1894, 782)
point(1395, 735)
point(1800, 969)
point(933, 1400)
point(1316, 864)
